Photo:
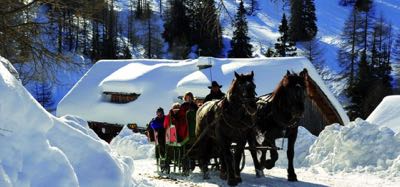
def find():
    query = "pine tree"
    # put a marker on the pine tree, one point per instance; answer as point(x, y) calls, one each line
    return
point(396, 54)
point(241, 47)
point(350, 46)
point(43, 94)
point(314, 53)
point(206, 31)
point(285, 46)
point(176, 29)
point(302, 23)
point(270, 52)
point(152, 41)
point(253, 7)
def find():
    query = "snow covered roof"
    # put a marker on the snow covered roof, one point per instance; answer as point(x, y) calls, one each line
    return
point(160, 82)
point(387, 113)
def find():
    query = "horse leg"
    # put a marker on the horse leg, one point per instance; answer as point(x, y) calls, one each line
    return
point(292, 136)
point(270, 163)
point(204, 149)
point(257, 165)
point(237, 157)
point(222, 174)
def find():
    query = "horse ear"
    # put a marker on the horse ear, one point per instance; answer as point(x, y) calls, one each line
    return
point(252, 74)
point(304, 73)
point(288, 73)
point(236, 75)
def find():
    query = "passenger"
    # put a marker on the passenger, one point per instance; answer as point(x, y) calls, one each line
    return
point(157, 124)
point(182, 124)
point(215, 92)
point(172, 115)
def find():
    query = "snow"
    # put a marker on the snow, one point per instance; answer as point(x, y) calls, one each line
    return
point(387, 113)
point(358, 146)
point(160, 82)
point(39, 149)
point(328, 160)
point(134, 145)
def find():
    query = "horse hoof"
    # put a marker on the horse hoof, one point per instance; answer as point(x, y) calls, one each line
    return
point(292, 178)
point(269, 164)
point(238, 179)
point(232, 182)
point(223, 176)
point(259, 173)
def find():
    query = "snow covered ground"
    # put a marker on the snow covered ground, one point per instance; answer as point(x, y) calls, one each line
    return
point(341, 156)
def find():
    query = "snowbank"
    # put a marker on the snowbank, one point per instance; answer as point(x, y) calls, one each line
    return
point(160, 82)
point(358, 146)
point(39, 149)
point(131, 144)
point(387, 113)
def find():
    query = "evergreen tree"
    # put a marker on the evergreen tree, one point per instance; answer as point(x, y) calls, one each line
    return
point(270, 52)
point(396, 54)
point(206, 31)
point(302, 24)
point(241, 47)
point(43, 94)
point(314, 53)
point(253, 7)
point(285, 46)
point(176, 29)
point(152, 41)
point(350, 46)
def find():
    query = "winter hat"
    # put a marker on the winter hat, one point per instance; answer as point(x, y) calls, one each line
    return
point(161, 110)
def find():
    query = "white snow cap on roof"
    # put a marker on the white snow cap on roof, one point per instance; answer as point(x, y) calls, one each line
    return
point(387, 113)
point(160, 82)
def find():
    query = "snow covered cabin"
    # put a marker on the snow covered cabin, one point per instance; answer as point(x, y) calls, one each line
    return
point(114, 93)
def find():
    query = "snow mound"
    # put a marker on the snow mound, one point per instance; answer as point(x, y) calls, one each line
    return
point(301, 149)
point(133, 145)
point(38, 149)
point(358, 146)
point(387, 113)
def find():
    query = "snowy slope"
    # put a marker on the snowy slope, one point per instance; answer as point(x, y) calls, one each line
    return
point(160, 82)
point(38, 149)
point(387, 113)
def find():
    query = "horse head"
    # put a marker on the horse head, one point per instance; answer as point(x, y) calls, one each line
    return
point(243, 91)
point(290, 95)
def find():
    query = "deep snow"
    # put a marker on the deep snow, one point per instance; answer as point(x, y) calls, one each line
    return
point(387, 113)
point(38, 149)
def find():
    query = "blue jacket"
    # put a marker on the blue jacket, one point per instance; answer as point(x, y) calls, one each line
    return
point(157, 123)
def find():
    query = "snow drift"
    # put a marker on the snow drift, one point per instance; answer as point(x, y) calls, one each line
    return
point(131, 144)
point(387, 113)
point(358, 146)
point(39, 149)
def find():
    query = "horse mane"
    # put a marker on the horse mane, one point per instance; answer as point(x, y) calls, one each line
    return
point(232, 87)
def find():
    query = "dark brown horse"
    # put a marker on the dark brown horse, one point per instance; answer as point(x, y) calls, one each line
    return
point(278, 115)
point(223, 122)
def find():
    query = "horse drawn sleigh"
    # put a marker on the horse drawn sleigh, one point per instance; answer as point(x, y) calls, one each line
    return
point(219, 130)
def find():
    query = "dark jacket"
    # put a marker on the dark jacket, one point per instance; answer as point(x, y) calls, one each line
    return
point(211, 96)
point(157, 123)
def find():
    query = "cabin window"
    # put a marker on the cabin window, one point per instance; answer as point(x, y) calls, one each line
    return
point(122, 98)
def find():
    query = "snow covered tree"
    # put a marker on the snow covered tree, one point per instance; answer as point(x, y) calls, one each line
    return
point(302, 24)
point(285, 46)
point(396, 54)
point(241, 47)
point(270, 52)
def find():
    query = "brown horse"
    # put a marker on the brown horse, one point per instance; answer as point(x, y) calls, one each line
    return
point(222, 122)
point(278, 115)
